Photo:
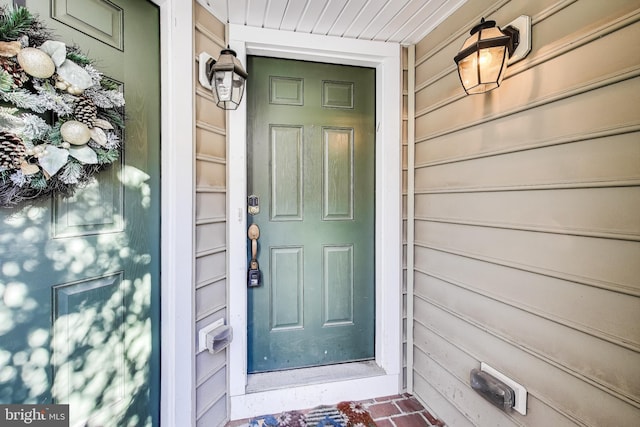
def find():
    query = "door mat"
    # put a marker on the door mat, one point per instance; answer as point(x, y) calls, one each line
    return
point(344, 414)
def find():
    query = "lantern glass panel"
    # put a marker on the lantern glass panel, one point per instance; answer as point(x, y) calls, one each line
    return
point(483, 68)
point(492, 62)
point(238, 88)
point(223, 81)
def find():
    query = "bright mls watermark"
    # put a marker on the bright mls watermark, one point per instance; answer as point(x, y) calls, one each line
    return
point(34, 415)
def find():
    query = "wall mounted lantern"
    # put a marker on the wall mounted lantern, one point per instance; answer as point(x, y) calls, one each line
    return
point(225, 77)
point(484, 56)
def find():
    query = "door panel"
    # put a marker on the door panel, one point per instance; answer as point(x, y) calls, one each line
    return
point(311, 163)
point(286, 173)
point(79, 277)
point(337, 285)
point(97, 208)
point(287, 288)
point(99, 19)
point(337, 173)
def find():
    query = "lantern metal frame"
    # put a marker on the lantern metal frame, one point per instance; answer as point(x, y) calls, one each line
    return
point(515, 38)
point(227, 62)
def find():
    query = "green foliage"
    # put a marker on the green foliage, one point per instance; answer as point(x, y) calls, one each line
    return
point(14, 22)
point(71, 173)
point(113, 116)
point(109, 84)
point(78, 57)
point(107, 156)
point(6, 81)
point(55, 138)
point(38, 182)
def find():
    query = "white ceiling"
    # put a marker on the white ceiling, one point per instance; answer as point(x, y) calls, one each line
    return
point(401, 21)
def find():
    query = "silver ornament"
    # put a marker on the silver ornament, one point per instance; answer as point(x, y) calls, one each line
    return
point(75, 132)
point(36, 63)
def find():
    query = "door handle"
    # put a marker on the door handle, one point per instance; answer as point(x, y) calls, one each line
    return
point(253, 278)
point(254, 235)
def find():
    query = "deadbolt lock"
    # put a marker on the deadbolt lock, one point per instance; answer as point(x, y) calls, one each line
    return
point(253, 204)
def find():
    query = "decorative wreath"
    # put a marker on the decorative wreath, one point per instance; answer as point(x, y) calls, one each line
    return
point(60, 118)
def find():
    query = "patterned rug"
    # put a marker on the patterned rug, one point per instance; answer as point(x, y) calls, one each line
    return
point(344, 414)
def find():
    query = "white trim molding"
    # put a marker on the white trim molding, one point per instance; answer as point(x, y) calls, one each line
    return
point(177, 366)
point(385, 58)
point(411, 149)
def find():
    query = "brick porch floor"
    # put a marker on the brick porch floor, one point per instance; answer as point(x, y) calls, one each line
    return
point(402, 410)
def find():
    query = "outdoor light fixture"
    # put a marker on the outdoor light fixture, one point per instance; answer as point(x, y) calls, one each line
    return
point(484, 56)
point(225, 77)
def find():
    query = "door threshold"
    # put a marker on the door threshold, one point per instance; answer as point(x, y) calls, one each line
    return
point(274, 392)
point(309, 376)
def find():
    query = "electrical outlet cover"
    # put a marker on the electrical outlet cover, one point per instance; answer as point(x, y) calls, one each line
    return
point(202, 333)
point(520, 391)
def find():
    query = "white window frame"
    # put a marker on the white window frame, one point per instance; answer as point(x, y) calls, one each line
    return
point(385, 58)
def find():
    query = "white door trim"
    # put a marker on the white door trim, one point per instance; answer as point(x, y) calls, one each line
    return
point(385, 58)
point(177, 371)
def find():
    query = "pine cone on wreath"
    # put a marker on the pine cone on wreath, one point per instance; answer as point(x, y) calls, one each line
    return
point(12, 151)
point(85, 111)
point(15, 71)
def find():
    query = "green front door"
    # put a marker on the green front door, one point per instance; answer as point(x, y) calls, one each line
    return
point(79, 277)
point(311, 163)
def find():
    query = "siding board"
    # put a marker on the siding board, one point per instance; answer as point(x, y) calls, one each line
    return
point(579, 119)
point(459, 394)
point(605, 263)
point(207, 112)
point(527, 232)
point(564, 392)
point(210, 205)
point(608, 315)
point(210, 287)
point(460, 116)
point(208, 364)
point(204, 42)
point(612, 159)
point(210, 172)
point(211, 141)
point(595, 212)
point(210, 267)
point(208, 295)
point(215, 415)
point(443, 353)
point(611, 366)
point(446, 410)
point(210, 235)
point(209, 391)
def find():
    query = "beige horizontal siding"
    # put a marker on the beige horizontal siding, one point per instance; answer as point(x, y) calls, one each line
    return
point(529, 291)
point(594, 212)
point(527, 224)
point(210, 290)
point(210, 205)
